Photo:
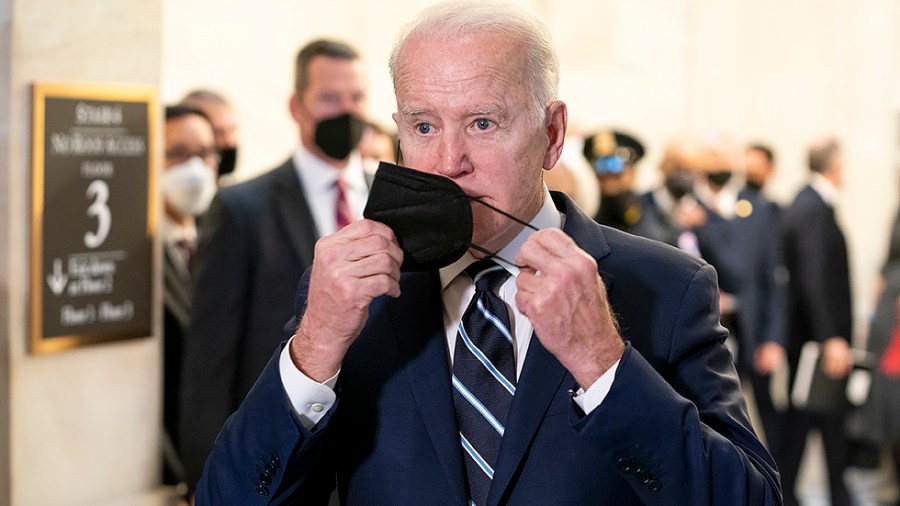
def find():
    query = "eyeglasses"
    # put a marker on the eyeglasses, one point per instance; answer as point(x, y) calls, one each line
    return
point(181, 154)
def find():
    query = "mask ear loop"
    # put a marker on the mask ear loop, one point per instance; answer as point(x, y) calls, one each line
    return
point(491, 254)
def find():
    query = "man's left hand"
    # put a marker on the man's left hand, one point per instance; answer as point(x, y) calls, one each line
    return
point(562, 294)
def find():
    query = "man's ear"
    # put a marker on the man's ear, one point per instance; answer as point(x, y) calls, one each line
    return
point(294, 106)
point(557, 118)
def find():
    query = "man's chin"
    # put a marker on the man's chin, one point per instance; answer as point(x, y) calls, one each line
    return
point(501, 235)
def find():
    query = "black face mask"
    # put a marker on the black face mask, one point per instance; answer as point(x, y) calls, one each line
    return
point(679, 184)
point(337, 137)
point(430, 215)
point(227, 160)
point(753, 185)
point(719, 178)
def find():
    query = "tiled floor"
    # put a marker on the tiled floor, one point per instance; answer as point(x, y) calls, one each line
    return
point(866, 487)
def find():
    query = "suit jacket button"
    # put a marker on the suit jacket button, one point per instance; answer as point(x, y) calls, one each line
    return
point(265, 479)
point(270, 469)
point(262, 490)
point(654, 485)
point(626, 464)
point(644, 476)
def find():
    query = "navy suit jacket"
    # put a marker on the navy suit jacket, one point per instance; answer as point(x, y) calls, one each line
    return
point(821, 306)
point(254, 244)
point(673, 429)
point(176, 316)
point(655, 223)
point(747, 252)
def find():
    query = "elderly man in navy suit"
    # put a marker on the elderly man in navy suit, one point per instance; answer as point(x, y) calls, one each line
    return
point(623, 390)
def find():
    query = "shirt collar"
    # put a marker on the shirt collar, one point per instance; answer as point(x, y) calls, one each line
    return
point(547, 217)
point(722, 202)
point(824, 188)
point(664, 200)
point(318, 176)
point(173, 232)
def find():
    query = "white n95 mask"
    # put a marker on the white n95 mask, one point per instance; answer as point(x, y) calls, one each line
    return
point(189, 187)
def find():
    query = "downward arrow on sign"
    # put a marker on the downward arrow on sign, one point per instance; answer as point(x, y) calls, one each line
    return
point(57, 279)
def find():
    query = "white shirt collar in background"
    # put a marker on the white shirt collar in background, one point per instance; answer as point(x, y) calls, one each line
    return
point(824, 188)
point(174, 232)
point(318, 178)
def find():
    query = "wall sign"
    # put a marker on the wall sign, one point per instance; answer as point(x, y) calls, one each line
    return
point(92, 214)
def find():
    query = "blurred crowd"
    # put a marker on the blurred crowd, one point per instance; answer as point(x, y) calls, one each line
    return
point(785, 296)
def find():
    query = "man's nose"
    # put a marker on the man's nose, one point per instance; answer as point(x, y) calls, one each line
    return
point(453, 160)
point(352, 105)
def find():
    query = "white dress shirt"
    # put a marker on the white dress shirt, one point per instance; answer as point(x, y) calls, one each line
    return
point(318, 179)
point(824, 188)
point(312, 400)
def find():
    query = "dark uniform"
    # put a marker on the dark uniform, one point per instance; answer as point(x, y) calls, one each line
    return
point(613, 156)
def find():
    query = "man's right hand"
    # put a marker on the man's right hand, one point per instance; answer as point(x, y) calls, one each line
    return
point(837, 359)
point(689, 214)
point(350, 269)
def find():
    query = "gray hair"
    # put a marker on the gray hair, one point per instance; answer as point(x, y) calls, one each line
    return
point(821, 154)
point(200, 97)
point(447, 20)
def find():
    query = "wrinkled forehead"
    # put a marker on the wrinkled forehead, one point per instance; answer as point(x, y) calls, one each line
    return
point(471, 67)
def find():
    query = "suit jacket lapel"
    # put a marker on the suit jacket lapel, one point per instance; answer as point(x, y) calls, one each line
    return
point(423, 344)
point(293, 211)
point(542, 375)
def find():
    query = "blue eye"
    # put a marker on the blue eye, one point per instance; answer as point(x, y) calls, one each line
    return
point(423, 128)
point(483, 124)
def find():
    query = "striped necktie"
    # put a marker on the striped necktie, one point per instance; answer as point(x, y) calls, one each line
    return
point(343, 216)
point(484, 377)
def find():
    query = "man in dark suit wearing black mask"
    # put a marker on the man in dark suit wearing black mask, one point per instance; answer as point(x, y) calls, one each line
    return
point(257, 239)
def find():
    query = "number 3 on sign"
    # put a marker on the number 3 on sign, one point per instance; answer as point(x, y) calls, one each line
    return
point(98, 190)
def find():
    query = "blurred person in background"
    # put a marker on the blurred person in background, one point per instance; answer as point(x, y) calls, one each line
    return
point(187, 183)
point(258, 238)
point(877, 423)
point(741, 239)
point(224, 120)
point(820, 309)
point(613, 156)
point(670, 213)
point(759, 166)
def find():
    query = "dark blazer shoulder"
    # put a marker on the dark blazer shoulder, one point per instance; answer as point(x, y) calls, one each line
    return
point(256, 190)
point(807, 200)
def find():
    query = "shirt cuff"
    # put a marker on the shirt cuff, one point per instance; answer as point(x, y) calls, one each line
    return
point(309, 399)
point(590, 399)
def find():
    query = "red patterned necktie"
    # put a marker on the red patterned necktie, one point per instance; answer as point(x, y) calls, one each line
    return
point(188, 249)
point(342, 215)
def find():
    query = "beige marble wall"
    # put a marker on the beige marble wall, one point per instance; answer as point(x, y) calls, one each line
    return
point(84, 424)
